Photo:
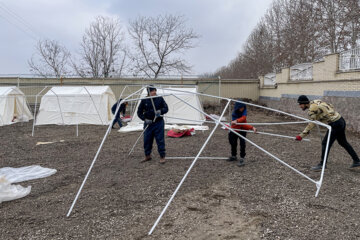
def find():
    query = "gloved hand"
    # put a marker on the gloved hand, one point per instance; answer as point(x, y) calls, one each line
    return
point(298, 138)
point(158, 113)
point(148, 121)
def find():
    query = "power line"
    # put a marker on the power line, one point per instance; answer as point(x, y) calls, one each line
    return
point(18, 27)
point(20, 23)
point(21, 19)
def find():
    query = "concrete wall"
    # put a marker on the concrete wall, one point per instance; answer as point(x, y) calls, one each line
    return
point(342, 89)
point(234, 88)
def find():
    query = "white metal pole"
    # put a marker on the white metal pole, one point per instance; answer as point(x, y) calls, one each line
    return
point(61, 114)
point(319, 183)
point(272, 134)
point(270, 154)
point(251, 104)
point(102, 122)
point(132, 149)
point(217, 158)
point(93, 162)
point(188, 171)
point(34, 121)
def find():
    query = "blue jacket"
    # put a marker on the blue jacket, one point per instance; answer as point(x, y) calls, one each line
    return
point(236, 113)
point(122, 108)
point(146, 109)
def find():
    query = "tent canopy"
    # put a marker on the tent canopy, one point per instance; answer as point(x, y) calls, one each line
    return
point(76, 105)
point(178, 110)
point(13, 106)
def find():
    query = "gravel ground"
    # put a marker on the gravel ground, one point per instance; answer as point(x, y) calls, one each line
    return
point(123, 197)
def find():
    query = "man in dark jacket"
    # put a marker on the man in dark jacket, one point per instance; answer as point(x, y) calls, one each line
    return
point(153, 123)
point(238, 116)
point(122, 110)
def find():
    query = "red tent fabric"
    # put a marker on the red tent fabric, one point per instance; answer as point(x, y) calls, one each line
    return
point(179, 133)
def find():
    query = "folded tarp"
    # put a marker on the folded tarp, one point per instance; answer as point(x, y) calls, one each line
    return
point(10, 175)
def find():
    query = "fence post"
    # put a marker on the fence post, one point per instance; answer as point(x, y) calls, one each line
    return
point(219, 88)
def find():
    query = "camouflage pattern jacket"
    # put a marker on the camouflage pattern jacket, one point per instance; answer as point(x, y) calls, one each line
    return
point(320, 111)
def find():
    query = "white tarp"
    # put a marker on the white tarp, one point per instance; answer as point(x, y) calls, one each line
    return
point(13, 106)
point(9, 175)
point(76, 105)
point(179, 112)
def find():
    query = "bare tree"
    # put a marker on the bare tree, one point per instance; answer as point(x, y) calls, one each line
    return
point(50, 59)
point(102, 50)
point(158, 43)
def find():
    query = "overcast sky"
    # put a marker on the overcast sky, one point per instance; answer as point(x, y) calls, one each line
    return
point(224, 26)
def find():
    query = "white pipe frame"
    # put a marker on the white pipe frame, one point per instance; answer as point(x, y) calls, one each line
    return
point(317, 183)
point(34, 121)
point(95, 158)
point(94, 105)
point(189, 169)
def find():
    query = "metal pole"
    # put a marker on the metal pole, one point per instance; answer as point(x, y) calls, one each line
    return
point(132, 149)
point(251, 104)
point(93, 162)
point(34, 121)
point(57, 97)
point(217, 158)
point(188, 171)
point(152, 102)
point(272, 134)
point(270, 154)
point(319, 183)
point(94, 105)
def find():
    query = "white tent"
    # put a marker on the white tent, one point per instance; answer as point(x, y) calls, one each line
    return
point(179, 112)
point(76, 105)
point(13, 106)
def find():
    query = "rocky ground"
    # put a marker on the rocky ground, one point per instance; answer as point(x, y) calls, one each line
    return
point(122, 197)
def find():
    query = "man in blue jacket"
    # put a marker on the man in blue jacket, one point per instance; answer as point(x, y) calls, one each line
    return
point(122, 110)
point(153, 123)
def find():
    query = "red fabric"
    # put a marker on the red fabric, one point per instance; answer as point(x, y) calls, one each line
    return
point(172, 133)
point(243, 127)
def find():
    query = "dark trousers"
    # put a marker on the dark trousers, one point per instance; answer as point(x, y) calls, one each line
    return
point(338, 133)
point(117, 120)
point(155, 130)
point(233, 142)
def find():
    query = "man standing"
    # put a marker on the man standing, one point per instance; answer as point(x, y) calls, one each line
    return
point(150, 111)
point(122, 110)
point(323, 112)
point(238, 116)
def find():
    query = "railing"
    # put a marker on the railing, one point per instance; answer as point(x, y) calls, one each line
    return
point(349, 60)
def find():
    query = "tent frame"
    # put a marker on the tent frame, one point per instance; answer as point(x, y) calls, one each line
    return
point(61, 112)
point(217, 122)
point(24, 100)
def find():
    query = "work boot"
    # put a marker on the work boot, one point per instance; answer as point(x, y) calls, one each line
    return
point(147, 158)
point(231, 159)
point(162, 160)
point(355, 165)
point(317, 168)
point(241, 162)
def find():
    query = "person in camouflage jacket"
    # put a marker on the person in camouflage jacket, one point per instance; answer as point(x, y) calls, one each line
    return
point(324, 112)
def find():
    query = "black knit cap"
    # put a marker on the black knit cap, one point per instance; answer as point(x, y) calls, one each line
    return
point(151, 88)
point(303, 99)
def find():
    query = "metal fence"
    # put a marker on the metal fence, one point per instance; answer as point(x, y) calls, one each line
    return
point(350, 60)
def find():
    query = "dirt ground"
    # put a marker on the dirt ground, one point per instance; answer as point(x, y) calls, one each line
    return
point(123, 197)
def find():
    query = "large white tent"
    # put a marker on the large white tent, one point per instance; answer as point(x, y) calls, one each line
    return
point(72, 105)
point(179, 112)
point(13, 106)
